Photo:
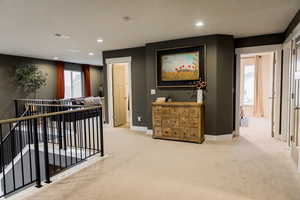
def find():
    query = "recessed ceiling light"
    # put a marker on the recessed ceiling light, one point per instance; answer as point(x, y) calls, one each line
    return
point(91, 54)
point(198, 24)
point(61, 36)
point(99, 40)
point(55, 58)
point(126, 18)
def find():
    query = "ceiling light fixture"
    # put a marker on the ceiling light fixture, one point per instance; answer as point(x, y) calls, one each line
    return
point(126, 18)
point(55, 58)
point(99, 40)
point(198, 24)
point(61, 36)
point(91, 54)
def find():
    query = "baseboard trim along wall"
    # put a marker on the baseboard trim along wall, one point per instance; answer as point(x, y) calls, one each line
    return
point(226, 137)
point(149, 132)
point(139, 128)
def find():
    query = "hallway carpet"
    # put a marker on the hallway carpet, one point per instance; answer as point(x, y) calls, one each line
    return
point(252, 166)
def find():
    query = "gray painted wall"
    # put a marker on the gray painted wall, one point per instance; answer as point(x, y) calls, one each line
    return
point(96, 79)
point(219, 71)
point(219, 101)
point(9, 90)
point(138, 78)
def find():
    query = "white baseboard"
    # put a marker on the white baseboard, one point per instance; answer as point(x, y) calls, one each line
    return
point(226, 137)
point(139, 128)
point(149, 132)
point(105, 125)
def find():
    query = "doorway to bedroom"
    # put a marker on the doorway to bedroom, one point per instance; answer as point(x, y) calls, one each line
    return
point(120, 95)
point(257, 95)
point(119, 92)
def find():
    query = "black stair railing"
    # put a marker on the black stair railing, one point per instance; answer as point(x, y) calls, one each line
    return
point(46, 141)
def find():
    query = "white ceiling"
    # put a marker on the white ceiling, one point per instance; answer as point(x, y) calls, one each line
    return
point(27, 26)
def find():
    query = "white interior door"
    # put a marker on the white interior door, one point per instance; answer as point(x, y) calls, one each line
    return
point(295, 113)
point(120, 98)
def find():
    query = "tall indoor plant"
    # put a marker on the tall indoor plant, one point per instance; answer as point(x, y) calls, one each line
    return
point(30, 77)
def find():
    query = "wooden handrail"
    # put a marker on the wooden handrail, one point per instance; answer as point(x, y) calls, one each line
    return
point(5, 121)
point(42, 99)
point(58, 105)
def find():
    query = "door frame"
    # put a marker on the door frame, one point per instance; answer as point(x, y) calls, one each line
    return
point(109, 63)
point(252, 50)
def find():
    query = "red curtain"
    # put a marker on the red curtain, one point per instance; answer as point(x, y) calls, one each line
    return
point(60, 81)
point(87, 80)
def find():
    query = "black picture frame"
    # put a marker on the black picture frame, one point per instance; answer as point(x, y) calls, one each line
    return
point(184, 83)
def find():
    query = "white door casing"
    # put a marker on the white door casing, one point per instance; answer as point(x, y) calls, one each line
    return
point(109, 62)
point(252, 50)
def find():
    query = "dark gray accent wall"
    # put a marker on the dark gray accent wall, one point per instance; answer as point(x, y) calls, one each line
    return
point(292, 25)
point(259, 40)
point(219, 75)
point(219, 100)
point(9, 90)
point(96, 79)
point(138, 80)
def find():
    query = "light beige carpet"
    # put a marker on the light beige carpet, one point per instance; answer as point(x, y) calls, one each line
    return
point(252, 166)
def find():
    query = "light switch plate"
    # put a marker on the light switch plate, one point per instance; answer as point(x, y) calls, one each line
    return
point(139, 118)
point(153, 92)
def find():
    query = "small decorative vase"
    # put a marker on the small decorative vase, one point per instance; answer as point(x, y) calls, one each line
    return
point(199, 96)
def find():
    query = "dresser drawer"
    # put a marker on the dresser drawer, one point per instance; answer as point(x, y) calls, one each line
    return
point(157, 122)
point(176, 133)
point(184, 122)
point(183, 111)
point(165, 110)
point(156, 111)
point(194, 112)
point(191, 134)
point(194, 122)
point(157, 132)
point(167, 132)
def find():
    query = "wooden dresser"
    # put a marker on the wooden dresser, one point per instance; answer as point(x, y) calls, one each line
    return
point(183, 121)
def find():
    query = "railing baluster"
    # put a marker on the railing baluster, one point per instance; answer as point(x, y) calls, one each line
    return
point(2, 160)
point(101, 133)
point(59, 139)
point(12, 140)
point(93, 129)
point(37, 154)
point(53, 140)
point(16, 108)
point(75, 135)
point(29, 147)
point(85, 134)
point(89, 123)
point(69, 130)
point(21, 150)
point(46, 156)
point(97, 128)
point(65, 140)
point(81, 142)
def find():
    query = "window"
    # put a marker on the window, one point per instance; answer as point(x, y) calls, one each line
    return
point(249, 71)
point(73, 84)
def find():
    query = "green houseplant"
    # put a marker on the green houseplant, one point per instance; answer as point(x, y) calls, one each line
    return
point(30, 77)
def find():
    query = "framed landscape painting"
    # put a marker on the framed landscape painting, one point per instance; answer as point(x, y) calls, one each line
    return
point(180, 67)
